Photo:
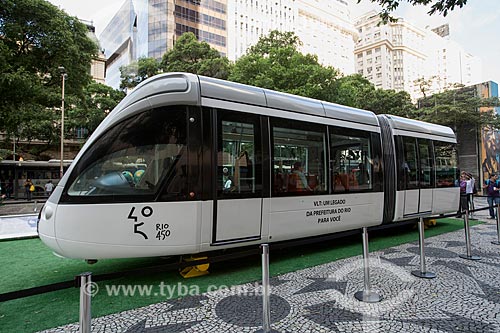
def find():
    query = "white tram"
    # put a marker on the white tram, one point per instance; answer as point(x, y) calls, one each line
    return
point(188, 164)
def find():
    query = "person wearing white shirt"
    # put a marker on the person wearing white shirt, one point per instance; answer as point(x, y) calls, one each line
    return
point(469, 190)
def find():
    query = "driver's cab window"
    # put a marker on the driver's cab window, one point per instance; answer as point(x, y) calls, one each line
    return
point(136, 157)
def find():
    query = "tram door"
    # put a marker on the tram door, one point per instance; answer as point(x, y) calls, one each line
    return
point(238, 178)
point(418, 175)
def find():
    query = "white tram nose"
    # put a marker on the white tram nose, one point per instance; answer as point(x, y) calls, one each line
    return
point(46, 227)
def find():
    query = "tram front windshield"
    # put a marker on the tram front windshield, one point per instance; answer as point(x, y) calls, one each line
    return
point(135, 157)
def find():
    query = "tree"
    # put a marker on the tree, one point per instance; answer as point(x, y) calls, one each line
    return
point(356, 91)
point(90, 110)
point(35, 39)
point(352, 90)
point(393, 102)
point(192, 56)
point(138, 71)
point(437, 6)
point(275, 63)
point(459, 108)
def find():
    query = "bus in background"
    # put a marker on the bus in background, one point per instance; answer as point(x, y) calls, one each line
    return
point(13, 174)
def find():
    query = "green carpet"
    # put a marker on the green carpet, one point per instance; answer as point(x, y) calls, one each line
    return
point(28, 263)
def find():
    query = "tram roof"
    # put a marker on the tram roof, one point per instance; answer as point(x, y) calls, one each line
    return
point(193, 87)
point(189, 89)
point(418, 126)
point(241, 93)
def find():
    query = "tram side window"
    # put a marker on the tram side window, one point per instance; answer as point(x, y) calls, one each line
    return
point(409, 164)
point(136, 157)
point(351, 160)
point(239, 165)
point(298, 158)
point(426, 163)
point(446, 164)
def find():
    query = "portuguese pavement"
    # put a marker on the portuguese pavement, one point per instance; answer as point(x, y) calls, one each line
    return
point(464, 297)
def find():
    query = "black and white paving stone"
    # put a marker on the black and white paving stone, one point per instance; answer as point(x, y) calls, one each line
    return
point(464, 297)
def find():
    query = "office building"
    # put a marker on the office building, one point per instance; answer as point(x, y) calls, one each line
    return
point(324, 27)
point(149, 28)
point(398, 54)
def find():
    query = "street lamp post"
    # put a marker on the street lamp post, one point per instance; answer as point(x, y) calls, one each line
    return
point(62, 70)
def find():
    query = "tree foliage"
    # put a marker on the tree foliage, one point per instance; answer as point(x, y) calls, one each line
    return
point(436, 6)
point(459, 108)
point(275, 63)
point(192, 56)
point(90, 110)
point(356, 91)
point(138, 71)
point(35, 39)
point(188, 55)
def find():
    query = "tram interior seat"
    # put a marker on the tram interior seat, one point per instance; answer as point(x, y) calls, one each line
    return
point(343, 182)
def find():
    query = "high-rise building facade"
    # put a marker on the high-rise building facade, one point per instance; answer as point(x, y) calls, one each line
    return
point(326, 29)
point(323, 26)
point(98, 63)
point(248, 20)
point(121, 40)
point(205, 18)
point(398, 54)
point(149, 28)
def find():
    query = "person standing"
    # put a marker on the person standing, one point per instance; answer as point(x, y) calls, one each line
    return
point(469, 190)
point(493, 193)
point(463, 193)
point(48, 188)
point(28, 188)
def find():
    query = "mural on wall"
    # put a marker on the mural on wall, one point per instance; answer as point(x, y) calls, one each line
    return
point(490, 152)
point(490, 139)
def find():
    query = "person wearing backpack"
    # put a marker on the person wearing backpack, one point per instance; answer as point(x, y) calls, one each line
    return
point(492, 191)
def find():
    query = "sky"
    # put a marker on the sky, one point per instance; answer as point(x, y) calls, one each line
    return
point(476, 26)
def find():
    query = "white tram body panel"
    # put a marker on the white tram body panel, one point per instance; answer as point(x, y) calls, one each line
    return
point(188, 164)
point(316, 215)
point(125, 230)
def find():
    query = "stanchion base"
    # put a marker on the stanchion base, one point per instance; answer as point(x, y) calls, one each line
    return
point(495, 243)
point(424, 275)
point(464, 256)
point(368, 297)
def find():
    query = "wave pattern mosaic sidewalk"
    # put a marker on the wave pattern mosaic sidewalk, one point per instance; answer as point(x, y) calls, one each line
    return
point(465, 296)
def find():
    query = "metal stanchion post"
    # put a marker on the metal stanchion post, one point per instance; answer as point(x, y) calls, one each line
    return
point(423, 271)
point(85, 294)
point(472, 207)
point(367, 295)
point(469, 255)
point(497, 242)
point(266, 306)
point(35, 207)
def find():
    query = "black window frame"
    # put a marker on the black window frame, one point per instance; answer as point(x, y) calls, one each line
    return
point(298, 125)
point(220, 115)
point(377, 176)
point(457, 172)
point(193, 139)
point(430, 144)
